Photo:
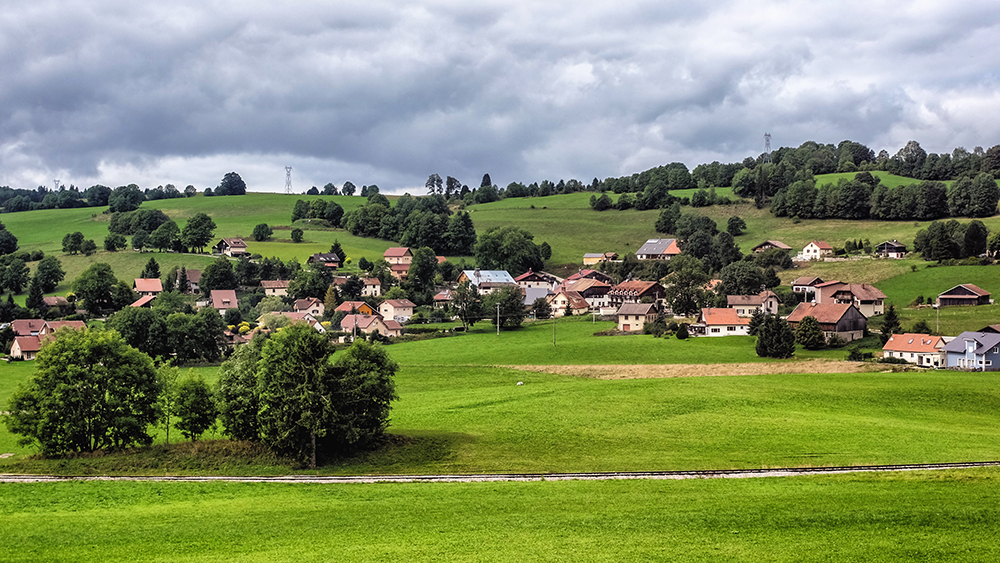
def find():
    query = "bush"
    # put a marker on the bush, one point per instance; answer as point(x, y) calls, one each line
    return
point(682, 332)
point(296, 235)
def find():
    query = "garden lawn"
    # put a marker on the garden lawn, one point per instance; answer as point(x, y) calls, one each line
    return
point(926, 516)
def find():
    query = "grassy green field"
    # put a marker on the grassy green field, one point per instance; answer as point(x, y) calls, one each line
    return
point(926, 516)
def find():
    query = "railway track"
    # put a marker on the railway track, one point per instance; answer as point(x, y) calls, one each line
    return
point(493, 477)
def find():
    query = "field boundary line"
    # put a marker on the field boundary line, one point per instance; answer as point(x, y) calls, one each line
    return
point(497, 477)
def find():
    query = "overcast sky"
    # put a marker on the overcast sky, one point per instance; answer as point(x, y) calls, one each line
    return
point(119, 91)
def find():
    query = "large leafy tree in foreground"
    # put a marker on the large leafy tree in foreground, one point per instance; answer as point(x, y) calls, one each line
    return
point(307, 404)
point(91, 391)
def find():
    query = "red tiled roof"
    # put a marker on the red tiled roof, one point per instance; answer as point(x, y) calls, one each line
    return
point(28, 343)
point(913, 343)
point(24, 327)
point(715, 316)
point(399, 303)
point(396, 251)
point(823, 312)
point(822, 244)
point(274, 284)
point(148, 285)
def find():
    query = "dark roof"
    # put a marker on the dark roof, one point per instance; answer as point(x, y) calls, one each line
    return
point(985, 341)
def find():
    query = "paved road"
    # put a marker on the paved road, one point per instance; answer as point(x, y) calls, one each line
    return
point(600, 476)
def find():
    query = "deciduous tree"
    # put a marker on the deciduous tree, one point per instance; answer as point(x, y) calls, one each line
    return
point(90, 391)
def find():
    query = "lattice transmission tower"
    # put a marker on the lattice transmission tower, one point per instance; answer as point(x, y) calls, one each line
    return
point(288, 179)
point(767, 147)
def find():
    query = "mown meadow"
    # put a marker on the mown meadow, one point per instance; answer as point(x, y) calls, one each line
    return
point(461, 410)
point(923, 516)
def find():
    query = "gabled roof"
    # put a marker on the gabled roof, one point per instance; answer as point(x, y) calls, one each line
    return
point(750, 299)
point(586, 274)
point(392, 324)
point(148, 285)
point(194, 276)
point(360, 321)
point(984, 341)
point(24, 327)
point(306, 303)
point(829, 283)
point(28, 343)
point(863, 291)
point(663, 246)
point(966, 289)
point(585, 284)
point(716, 316)
point(443, 295)
point(224, 299)
point(371, 281)
point(274, 284)
point(399, 303)
point(348, 306)
point(825, 313)
point(576, 301)
point(891, 244)
point(808, 281)
point(397, 252)
point(916, 343)
point(774, 243)
point(634, 287)
point(533, 275)
point(234, 243)
point(822, 244)
point(637, 309)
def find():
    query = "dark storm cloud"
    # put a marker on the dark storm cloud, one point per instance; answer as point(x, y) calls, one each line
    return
point(387, 93)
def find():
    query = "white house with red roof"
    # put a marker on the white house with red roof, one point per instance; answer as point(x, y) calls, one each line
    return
point(817, 250)
point(148, 286)
point(719, 321)
point(921, 349)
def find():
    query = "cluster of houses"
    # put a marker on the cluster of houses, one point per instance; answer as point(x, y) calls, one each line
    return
point(841, 309)
point(30, 334)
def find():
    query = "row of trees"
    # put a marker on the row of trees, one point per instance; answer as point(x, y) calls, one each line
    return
point(93, 391)
point(865, 197)
point(414, 222)
point(951, 240)
point(151, 228)
point(122, 198)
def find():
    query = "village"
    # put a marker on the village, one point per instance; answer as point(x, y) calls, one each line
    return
point(840, 308)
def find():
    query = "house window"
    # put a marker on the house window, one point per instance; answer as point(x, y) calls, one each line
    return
point(715, 330)
point(731, 328)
